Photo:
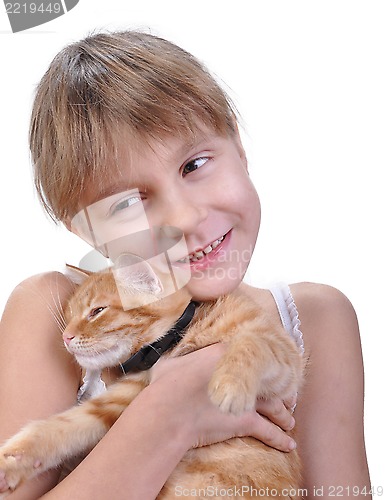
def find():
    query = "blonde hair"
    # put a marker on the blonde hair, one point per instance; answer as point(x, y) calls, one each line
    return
point(105, 83)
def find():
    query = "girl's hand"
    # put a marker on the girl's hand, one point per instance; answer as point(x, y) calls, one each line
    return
point(183, 382)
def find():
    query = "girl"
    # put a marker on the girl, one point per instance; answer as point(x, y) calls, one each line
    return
point(134, 122)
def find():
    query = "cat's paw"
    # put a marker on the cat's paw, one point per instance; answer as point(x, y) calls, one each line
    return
point(15, 468)
point(230, 393)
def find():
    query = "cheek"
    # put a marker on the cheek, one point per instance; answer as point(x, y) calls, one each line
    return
point(247, 207)
point(255, 204)
point(250, 197)
point(235, 183)
point(242, 195)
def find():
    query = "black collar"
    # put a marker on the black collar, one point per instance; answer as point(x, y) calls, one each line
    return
point(149, 354)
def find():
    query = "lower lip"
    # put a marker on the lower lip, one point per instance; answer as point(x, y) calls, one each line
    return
point(212, 257)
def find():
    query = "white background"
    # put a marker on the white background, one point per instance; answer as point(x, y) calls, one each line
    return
point(309, 80)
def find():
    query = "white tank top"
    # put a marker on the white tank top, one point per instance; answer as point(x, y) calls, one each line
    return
point(288, 313)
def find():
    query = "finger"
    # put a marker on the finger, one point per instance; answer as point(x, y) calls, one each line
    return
point(272, 435)
point(275, 410)
point(291, 403)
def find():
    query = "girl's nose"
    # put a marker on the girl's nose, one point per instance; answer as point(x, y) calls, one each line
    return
point(180, 211)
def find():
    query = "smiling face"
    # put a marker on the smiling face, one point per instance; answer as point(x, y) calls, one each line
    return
point(199, 189)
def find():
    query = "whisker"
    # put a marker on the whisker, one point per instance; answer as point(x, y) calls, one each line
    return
point(56, 308)
point(59, 305)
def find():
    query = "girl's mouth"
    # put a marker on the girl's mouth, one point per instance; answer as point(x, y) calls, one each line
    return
point(207, 253)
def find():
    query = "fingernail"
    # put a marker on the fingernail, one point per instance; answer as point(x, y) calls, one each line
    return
point(292, 445)
point(292, 423)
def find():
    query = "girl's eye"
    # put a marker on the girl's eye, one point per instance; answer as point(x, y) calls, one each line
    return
point(95, 312)
point(194, 165)
point(125, 203)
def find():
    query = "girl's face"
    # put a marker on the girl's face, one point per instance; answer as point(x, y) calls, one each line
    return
point(197, 192)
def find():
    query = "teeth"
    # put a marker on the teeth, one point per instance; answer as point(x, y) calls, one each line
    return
point(194, 257)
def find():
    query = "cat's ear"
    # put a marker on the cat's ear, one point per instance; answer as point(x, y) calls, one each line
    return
point(135, 272)
point(77, 275)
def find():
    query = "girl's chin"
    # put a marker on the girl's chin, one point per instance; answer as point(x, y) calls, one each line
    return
point(211, 288)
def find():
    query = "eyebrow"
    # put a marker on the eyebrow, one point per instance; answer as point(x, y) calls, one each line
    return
point(189, 145)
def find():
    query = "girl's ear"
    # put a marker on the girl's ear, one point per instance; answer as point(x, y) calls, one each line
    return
point(76, 274)
point(131, 271)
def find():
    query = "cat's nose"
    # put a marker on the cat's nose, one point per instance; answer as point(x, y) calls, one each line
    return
point(67, 337)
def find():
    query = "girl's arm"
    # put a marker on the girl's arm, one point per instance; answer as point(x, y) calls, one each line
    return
point(330, 413)
point(38, 378)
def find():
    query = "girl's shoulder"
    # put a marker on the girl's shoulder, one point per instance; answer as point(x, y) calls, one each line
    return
point(309, 296)
point(41, 297)
point(313, 300)
point(317, 302)
point(45, 284)
point(328, 322)
point(37, 304)
point(325, 315)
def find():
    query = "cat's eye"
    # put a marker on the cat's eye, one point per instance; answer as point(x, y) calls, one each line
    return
point(193, 165)
point(95, 312)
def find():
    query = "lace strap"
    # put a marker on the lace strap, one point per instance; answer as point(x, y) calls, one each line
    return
point(288, 313)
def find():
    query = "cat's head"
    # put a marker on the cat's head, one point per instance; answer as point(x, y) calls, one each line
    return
point(115, 312)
